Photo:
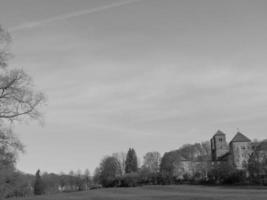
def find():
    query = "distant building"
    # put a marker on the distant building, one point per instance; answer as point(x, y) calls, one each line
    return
point(237, 152)
point(219, 147)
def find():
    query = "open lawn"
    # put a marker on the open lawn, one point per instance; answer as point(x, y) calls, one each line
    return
point(181, 192)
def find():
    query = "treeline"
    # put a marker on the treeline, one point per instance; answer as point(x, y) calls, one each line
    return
point(17, 184)
point(47, 183)
point(122, 170)
point(189, 164)
point(14, 183)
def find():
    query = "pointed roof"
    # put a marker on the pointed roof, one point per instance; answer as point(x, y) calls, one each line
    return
point(239, 137)
point(219, 132)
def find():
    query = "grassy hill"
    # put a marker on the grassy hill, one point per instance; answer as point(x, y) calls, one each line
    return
point(182, 192)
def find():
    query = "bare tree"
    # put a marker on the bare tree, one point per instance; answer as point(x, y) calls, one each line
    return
point(18, 98)
point(18, 101)
point(87, 178)
point(121, 157)
point(152, 161)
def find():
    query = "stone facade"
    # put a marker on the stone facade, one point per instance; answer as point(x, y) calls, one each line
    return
point(237, 153)
point(240, 152)
point(219, 145)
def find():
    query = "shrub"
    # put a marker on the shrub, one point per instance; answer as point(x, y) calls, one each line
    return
point(130, 180)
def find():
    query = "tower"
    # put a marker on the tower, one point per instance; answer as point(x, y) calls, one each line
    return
point(219, 145)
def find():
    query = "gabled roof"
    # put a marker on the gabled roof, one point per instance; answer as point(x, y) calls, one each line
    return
point(219, 132)
point(239, 137)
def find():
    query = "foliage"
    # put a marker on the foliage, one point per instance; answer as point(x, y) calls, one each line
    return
point(15, 184)
point(226, 173)
point(167, 166)
point(39, 185)
point(152, 162)
point(131, 161)
point(97, 174)
point(55, 183)
point(20, 185)
point(129, 180)
point(149, 178)
point(257, 167)
point(109, 171)
point(121, 157)
point(9, 148)
point(198, 153)
point(87, 179)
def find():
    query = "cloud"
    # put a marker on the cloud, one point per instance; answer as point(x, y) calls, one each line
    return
point(34, 24)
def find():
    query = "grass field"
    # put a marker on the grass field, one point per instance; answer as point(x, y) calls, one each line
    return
point(181, 192)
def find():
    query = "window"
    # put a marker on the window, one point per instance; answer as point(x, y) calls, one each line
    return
point(220, 139)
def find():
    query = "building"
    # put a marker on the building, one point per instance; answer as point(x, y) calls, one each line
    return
point(237, 152)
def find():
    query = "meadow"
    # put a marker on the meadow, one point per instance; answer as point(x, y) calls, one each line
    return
point(180, 192)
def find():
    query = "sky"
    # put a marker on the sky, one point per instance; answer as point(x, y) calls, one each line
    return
point(147, 74)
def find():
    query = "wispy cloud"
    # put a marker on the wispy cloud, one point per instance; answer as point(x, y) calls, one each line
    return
point(34, 24)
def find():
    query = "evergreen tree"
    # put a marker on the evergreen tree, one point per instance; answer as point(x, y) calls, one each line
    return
point(39, 187)
point(131, 161)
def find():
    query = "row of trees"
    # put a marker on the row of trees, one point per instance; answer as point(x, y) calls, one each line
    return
point(257, 168)
point(188, 164)
point(52, 183)
point(154, 170)
point(19, 184)
point(122, 169)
